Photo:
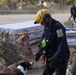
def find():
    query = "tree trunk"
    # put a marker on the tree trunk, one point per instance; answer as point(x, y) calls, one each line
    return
point(9, 4)
point(32, 1)
point(62, 2)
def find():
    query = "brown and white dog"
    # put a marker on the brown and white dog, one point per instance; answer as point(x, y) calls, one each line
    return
point(21, 69)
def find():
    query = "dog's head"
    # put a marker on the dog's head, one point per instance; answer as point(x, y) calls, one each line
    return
point(24, 66)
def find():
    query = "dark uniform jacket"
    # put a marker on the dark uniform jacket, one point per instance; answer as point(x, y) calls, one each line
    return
point(75, 11)
point(56, 47)
point(72, 10)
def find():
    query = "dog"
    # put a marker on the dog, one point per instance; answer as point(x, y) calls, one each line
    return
point(21, 69)
point(24, 67)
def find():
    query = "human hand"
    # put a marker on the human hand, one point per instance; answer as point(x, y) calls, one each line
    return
point(36, 57)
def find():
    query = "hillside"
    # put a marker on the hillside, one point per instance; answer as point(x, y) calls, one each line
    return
point(30, 5)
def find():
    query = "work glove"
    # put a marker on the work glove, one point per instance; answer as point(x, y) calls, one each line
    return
point(36, 57)
point(43, 58)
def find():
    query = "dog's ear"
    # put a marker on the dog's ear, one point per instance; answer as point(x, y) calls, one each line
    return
point(29, 64)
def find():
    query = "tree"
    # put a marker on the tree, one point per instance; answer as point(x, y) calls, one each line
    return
point(9, 4)
point(3, 3)
point(32, 1)
point(74, 1)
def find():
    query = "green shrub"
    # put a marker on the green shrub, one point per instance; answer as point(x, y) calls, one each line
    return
point(68, 23)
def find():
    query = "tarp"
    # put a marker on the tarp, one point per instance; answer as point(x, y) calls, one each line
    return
point(71, 37)
point(12, 50)
point(29, 26)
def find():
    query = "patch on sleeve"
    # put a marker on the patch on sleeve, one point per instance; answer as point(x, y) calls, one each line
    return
point(60, 33)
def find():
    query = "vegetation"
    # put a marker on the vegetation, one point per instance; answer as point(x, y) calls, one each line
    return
point(68, 23)
point(21, 4)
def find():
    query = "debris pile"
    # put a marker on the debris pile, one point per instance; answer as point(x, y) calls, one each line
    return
point(14, 52)
point(9, 52)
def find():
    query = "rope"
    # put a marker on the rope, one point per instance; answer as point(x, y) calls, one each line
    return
point(23, 34)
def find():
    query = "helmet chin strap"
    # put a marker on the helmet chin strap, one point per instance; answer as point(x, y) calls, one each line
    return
point(46, 23)
point(47, 20)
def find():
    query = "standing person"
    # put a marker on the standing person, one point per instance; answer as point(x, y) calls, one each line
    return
point(75, 13)
point(53, 44)
point(72, 12)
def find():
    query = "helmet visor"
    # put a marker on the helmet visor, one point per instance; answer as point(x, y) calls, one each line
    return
point(35, 22)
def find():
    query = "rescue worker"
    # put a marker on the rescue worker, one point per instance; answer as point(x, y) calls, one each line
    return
point(53, 44)
point(72, 12)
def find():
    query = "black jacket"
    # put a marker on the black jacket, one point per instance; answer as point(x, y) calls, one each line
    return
point(57, 47)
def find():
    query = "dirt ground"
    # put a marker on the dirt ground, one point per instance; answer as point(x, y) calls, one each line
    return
point(16, 18)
